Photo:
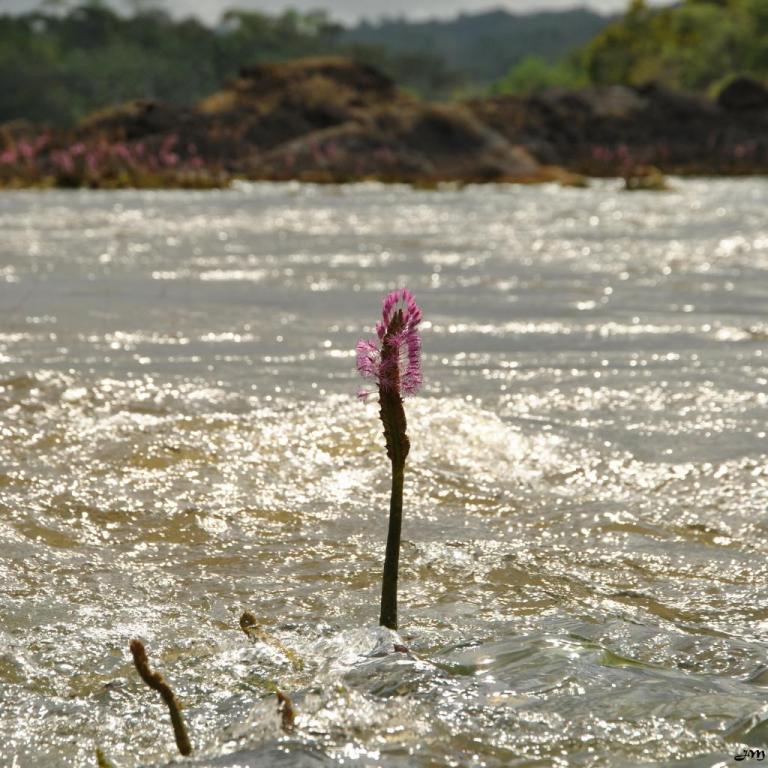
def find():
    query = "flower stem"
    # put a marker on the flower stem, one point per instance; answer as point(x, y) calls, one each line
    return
point(393, 417)
point(388, 617)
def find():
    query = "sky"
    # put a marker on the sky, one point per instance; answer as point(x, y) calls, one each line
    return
point(353, 10)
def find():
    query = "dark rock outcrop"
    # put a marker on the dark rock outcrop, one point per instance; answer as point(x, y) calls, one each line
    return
point(325, 119)
point(140, 119)
point(743, 93)
point(415, 143)
point(610, 131)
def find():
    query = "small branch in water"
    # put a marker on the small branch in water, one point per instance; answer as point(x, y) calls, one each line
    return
point(157, 682)
point(286, 711)
point(250, 625)
point(284, 708)
point(101, 759)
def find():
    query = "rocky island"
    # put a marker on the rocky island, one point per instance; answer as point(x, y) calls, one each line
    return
point(333, 120)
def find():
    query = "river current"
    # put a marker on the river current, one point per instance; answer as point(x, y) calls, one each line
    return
point(584, 579)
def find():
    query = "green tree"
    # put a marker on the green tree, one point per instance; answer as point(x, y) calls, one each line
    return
point(534, 74)
point(690, 45)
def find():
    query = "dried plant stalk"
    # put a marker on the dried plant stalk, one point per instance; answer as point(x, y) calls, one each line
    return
point(250, 625)
point(157, 682)
point(286, 711)
point(101, 759)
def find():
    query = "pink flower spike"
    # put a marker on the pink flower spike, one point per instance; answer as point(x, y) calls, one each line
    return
point(393, 360)
point(368, 359)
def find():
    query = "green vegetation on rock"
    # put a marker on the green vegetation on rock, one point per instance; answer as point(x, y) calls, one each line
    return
point(534, 74)
point(693, 45)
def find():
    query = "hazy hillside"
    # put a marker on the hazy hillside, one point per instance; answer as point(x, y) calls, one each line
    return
point(56, 67)
point(484, 46)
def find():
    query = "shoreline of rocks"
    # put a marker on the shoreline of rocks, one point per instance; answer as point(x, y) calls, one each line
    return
point(335, 121)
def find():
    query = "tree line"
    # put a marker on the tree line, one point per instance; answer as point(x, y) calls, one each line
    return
point(695, 45)
point(56, 67)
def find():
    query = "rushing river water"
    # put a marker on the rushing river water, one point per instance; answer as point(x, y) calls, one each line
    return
point(584, 578)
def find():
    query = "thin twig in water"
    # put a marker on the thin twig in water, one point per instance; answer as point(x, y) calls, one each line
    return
point(286, 711)
point(101, 759)
point(157, 682)
point(250, 625)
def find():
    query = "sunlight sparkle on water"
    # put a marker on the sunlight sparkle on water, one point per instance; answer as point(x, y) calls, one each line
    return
point(583, 567)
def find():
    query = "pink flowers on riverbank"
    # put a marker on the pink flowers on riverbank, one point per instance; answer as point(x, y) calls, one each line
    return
point(102, 163)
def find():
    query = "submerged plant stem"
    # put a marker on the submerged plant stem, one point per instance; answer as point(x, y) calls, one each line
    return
point(388, 616)
point(286, 711)
point(393, 417)
point(157, 682)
